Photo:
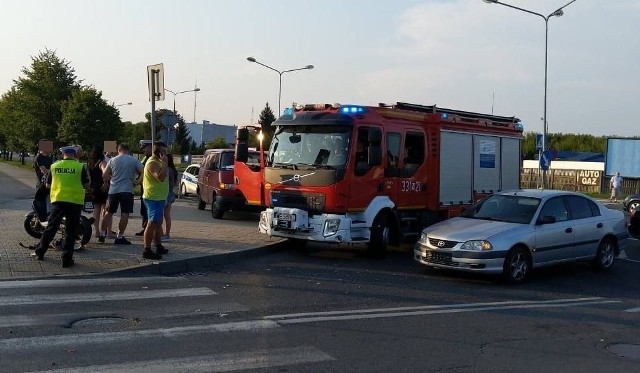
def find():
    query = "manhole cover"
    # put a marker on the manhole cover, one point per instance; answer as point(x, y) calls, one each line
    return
point(99, 321)
point(626, 350)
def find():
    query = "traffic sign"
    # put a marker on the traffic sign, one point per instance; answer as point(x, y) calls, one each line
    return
point(155, 79)
point(545, 160)
point(539, 144)
point(168, 119)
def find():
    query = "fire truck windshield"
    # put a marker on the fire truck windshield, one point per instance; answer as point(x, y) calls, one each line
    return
point(314, 146)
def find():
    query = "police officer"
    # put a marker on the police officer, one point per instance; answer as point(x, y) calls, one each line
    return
point(67, 180)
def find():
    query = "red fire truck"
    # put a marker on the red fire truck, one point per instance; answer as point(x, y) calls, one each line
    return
point(379, 174)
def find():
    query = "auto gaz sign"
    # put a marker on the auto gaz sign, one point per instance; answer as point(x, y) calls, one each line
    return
point(589, 177)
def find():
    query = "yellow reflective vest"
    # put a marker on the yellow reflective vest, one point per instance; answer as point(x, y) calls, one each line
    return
point(66, 182)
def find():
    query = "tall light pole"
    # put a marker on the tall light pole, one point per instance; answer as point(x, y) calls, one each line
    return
point(174, 105)
point(308, 67)
point(556, 13)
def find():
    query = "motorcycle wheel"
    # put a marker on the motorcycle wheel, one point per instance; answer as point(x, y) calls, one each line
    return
point(32, 225)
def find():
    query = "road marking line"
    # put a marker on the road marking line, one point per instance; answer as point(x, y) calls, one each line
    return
point(431, 310)
point(430, 307)
point(222, 362)
point(18, 344)
point(633, 310)
point(85, 282)
point(103, 297)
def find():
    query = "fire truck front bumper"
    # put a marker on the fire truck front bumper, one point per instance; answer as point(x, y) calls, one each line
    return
point(296, 223)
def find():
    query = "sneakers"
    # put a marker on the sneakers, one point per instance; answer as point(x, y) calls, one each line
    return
point(122, 241)
point(148, 254)
point(68, 263)
point(101, 239)
point(37, 255)
point(141, 233)
point(161, 249)
point(165, 238)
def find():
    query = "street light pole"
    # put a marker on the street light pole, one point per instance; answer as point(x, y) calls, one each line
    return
point(174, 105)
point(308, 67)
point(557, 13)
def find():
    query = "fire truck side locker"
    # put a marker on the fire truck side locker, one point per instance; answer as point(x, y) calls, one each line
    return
point(472, 164)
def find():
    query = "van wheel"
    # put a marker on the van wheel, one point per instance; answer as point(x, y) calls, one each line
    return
point(201, 204)
point(216, 211)
point(380, 232)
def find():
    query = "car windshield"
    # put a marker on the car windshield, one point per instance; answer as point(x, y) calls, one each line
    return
point(507, 208)
point(315, 146)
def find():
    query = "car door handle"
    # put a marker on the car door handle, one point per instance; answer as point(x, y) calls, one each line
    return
point(600, 225)
point(569, 230)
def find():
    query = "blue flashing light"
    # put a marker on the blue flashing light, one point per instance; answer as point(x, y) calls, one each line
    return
point(352, 109)
point(520, 126)
point(444, 116)
point(288, 111)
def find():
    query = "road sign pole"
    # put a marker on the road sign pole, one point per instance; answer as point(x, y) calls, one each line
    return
point(153, 105)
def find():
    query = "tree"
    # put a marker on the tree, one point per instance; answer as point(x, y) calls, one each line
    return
point(218, 143)
point(132, 133)
point(265, 120)
point(31, 109)
point(182, 140)
point(88, 120)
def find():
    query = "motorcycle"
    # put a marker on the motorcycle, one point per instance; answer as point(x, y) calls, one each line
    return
point(35, 223)
point(634, 222)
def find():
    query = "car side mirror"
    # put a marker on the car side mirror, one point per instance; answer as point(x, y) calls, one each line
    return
point(547, 219)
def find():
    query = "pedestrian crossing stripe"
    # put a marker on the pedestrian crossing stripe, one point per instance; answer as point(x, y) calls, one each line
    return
point(223, 362)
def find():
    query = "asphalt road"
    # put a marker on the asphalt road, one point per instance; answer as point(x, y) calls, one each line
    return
point(322, 311)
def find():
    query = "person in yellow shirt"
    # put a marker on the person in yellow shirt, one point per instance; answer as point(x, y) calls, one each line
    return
point(155, 189)
point(68, 178)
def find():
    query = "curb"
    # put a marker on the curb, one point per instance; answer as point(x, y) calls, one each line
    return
point(200, 263)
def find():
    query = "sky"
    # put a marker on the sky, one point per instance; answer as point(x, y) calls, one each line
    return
point(459, 54)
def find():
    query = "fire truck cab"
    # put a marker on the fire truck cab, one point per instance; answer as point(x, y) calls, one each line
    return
point(379, 174)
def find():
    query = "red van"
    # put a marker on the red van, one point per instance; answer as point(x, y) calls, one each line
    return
point(216, 182)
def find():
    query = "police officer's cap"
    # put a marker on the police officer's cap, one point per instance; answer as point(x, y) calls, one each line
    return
point(71, 149)
point(145, 143)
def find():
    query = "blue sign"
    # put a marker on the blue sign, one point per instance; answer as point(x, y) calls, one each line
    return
point(545, 160)
point(538, 141)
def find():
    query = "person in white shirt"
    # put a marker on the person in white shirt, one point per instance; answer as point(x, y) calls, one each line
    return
point(615, 184)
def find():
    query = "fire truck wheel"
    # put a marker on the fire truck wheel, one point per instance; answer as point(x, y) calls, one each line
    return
point(379, 241)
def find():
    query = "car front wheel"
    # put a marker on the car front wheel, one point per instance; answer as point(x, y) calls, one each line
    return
point(605, 256)
point(183, 190)
point(516, 266)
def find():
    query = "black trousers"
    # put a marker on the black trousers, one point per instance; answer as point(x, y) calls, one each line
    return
point(71, 212)
point(143, 212)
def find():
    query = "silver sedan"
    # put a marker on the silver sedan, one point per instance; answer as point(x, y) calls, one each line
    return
point(511, 232)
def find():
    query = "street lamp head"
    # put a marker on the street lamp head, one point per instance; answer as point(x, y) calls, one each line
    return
point(309, 67)
point(251, 59)
point(490, 1)
point(557, 13)
point(196, 89)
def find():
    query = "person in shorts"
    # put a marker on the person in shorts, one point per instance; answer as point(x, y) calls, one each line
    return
point(155, 193)
point(120, 176)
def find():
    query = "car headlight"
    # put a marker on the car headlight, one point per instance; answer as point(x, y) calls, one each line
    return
point(477, 245)
point(331, 227)
point(424, 238)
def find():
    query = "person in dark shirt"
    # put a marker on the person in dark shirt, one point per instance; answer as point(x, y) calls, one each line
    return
point(41, 164)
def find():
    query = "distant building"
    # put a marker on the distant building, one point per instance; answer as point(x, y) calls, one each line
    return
point(207, 131)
